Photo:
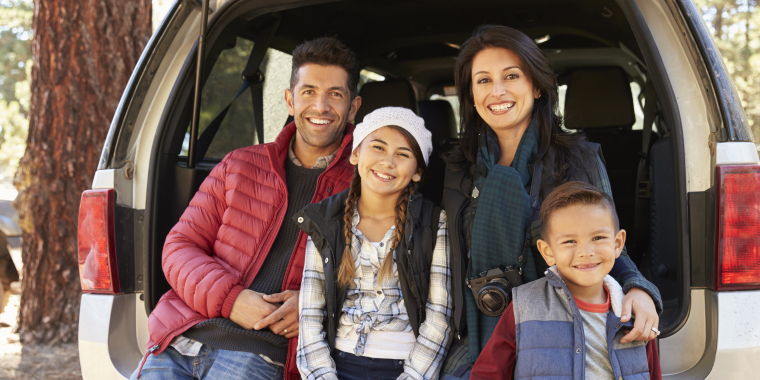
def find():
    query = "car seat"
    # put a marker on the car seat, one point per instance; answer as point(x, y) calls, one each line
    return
point(599, 103)
point(441, 122)
point(389, 93)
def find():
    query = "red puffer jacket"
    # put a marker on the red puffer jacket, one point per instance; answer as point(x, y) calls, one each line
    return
point(224, 236)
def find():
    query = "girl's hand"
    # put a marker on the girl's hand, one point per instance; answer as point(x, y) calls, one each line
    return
point(646, 316)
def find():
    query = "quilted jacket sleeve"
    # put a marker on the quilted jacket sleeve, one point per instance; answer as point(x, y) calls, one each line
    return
point(201, 280)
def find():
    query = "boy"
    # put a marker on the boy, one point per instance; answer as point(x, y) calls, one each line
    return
point(562, 325)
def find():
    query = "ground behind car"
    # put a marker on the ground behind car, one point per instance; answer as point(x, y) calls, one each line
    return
point(32, 361)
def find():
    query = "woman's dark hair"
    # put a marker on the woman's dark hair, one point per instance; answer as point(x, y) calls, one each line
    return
point(545, 108)
point(346, 270)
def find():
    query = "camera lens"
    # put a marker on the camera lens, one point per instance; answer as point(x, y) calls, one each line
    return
point(494, 297)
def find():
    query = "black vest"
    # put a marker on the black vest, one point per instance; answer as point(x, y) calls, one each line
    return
point(323, 222)
point(457, 192)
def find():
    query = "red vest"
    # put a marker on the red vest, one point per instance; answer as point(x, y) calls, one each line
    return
point(225, 234)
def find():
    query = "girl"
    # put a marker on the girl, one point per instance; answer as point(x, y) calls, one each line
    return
point(375, 297)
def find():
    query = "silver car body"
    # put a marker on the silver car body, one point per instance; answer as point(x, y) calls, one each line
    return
point(720, 338)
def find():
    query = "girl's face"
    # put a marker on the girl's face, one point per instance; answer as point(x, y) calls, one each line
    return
point(501, 89)
point(385, 162)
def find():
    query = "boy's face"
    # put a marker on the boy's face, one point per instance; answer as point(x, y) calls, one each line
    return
point(583, 244)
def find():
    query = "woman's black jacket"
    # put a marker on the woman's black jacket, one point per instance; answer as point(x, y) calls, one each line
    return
point(323, 222)
point(457, 193)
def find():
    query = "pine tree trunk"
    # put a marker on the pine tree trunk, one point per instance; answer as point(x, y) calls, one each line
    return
point(718, 22)
point(83, 53)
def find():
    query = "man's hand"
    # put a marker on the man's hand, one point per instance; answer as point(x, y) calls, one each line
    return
point(646, 316)
point(250, 308)
point(284, 321)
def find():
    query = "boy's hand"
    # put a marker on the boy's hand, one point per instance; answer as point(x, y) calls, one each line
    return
point(646, 316)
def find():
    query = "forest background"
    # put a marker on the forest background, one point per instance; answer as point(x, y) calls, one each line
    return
point(735, 25)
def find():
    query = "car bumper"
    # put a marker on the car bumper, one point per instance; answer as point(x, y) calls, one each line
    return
point(108, 340)
point(720, 340)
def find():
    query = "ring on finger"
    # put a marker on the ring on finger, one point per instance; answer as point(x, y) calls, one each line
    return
point(286, 331)
point(656, 331)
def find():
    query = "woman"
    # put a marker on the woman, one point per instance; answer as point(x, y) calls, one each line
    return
point(513, 154)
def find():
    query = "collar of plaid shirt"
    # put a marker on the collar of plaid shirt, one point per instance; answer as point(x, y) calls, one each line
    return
point(322, 162)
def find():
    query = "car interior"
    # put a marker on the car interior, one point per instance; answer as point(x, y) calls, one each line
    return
point(407, 50)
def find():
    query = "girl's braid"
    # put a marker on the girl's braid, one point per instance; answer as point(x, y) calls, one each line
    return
point(346, 270)
point(386, 271)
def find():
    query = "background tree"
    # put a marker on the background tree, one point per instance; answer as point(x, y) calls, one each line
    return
point(83, 53)
point(736, 28)
point(15, 65)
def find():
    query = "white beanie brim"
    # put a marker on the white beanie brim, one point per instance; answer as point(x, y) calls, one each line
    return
point(398, 116)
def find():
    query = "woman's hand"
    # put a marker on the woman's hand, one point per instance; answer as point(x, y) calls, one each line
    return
point(646, 316)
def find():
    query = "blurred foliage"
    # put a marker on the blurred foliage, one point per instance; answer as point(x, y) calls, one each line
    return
point(15, 69)
point(735, 25)
point(160, 8)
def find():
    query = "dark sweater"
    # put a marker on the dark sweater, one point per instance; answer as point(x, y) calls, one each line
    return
point(224, 334)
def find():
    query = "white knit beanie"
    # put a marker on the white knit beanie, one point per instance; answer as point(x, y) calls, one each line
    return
point(399, 116)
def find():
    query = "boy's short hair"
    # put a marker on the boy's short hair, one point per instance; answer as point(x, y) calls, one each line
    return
point(571, 194)
point(326, 51)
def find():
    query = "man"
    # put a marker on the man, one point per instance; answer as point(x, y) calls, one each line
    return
point(235, 259)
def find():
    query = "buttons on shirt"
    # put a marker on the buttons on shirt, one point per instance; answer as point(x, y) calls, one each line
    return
point(382, 244)
point(578, 350)
point(379, 292)
point(617, 325)
point(300, 219)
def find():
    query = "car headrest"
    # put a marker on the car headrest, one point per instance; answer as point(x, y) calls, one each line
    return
point(599, 98)
point(397, 93)
point(439, 120)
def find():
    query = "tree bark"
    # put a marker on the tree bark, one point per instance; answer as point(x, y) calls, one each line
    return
point(718, 22)
point(83, 53)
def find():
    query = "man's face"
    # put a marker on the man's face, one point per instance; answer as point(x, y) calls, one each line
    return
point(321, 105)
point(583, 243)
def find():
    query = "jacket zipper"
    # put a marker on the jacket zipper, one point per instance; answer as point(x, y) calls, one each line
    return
point(145, 358)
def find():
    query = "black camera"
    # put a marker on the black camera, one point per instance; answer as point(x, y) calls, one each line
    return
point(492, 289)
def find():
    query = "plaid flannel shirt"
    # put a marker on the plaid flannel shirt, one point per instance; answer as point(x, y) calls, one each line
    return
point(425, 359)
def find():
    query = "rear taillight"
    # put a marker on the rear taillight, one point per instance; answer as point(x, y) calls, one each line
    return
point(737, 243)
point(97, 256)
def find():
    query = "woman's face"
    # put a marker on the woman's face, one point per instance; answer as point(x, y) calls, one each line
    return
point(501, 89)
point(385, 162)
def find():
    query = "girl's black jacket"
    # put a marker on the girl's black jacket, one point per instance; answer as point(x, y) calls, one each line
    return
point(323, 222)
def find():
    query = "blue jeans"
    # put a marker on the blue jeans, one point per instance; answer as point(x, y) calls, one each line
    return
point(211, 363)
point(352, 367)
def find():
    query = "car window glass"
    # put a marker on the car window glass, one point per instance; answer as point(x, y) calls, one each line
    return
point(366, 76)
point(238, 127)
